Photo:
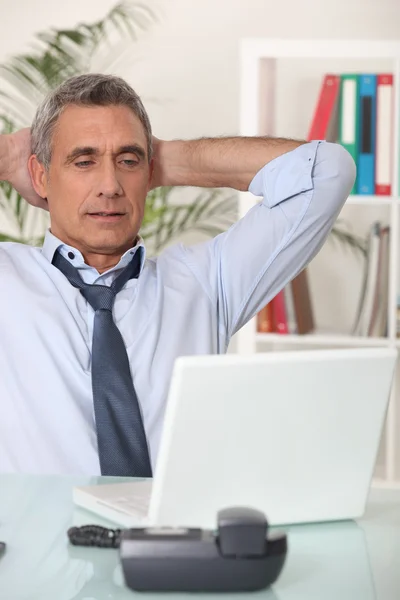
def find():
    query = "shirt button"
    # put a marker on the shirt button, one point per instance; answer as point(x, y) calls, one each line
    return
point(71, 255)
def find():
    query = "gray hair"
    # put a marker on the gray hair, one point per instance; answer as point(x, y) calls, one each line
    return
point(91, 89)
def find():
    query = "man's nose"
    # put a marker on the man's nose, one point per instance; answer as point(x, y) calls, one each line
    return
point(109, 185)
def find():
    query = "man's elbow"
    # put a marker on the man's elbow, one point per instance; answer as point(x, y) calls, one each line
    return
point(335, 173)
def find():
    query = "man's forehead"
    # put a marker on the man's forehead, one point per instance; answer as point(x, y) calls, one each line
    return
point(102, 127)
point(107, 118)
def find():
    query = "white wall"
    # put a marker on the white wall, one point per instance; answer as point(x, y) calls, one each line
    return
point(189, 60)
point(187, 71)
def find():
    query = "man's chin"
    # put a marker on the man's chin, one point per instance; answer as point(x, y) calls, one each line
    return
point(109, 241)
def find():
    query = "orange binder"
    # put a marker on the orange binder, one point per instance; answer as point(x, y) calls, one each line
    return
point(264, 319)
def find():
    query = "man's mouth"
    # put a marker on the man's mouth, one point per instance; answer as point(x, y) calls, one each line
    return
point(107, 217)
point(106, 214)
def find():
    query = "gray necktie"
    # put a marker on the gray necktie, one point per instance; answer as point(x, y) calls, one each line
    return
point(121, 437)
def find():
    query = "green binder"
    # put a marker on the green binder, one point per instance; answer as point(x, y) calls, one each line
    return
point(349, 116)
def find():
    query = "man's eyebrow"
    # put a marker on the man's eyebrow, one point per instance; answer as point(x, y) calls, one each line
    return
point(81, 150)
point(132, 149)
point(92, 151)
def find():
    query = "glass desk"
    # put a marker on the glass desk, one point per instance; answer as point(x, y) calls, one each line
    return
point(333, 561)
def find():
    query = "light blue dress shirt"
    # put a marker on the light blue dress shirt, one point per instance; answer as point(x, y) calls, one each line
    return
point(189, 300)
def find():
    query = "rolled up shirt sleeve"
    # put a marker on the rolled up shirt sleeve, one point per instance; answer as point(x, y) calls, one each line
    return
point(303, 192)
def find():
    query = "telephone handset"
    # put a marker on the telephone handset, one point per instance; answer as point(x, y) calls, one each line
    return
point(239, 556)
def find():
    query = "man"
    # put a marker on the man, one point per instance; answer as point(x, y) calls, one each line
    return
point(73, 399)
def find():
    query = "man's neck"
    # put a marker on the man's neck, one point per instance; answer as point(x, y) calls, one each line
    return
point(102, 262)
point(105, 262)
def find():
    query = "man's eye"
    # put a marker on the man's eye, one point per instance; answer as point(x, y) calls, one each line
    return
point(84, 163)
point(129, 162)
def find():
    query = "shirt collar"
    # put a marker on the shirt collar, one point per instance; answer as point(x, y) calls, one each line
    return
point(52, 243)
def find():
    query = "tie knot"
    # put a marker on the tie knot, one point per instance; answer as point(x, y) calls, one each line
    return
point(99, 296)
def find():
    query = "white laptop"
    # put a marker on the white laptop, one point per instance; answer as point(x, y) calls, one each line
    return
point(294, 434)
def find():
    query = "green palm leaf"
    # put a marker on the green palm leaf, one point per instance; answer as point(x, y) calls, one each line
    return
point(8, 238)
point(34, 241)
point(165, 221)
point(60, 53)
point(348, 239)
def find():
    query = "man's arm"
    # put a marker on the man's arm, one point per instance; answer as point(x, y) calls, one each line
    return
point(15, 150)
point(216, 162)
point(303, 188)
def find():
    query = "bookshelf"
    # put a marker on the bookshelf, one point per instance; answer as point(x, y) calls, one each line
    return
point(259, 84)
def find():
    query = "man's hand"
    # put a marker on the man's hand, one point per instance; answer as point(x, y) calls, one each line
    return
point(15, 150)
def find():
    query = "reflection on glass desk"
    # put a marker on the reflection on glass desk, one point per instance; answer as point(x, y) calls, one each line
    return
point(329, 561)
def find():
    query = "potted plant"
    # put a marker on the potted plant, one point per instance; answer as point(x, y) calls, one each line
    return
point(61, 53)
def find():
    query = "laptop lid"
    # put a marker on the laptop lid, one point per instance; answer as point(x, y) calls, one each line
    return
point(294, 434)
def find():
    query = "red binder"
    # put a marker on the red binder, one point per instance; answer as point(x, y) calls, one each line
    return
point(384, 134)
point(325, 107)
point(279, 313)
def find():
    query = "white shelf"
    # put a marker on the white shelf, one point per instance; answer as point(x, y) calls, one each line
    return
point(350, 49)
point(321, 339)
point(259, 64)
point(381, 483)
point(371, 200)
point(247, 200)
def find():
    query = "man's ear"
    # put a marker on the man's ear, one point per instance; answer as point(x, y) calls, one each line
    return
point(38, 176)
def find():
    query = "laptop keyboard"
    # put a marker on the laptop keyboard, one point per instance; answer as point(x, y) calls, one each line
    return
point(129, 505)
point(127, 498)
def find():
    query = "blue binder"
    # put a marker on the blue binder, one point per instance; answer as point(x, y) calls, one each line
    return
point(367, 126)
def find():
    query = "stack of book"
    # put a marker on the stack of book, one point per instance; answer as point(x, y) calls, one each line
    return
point(290, 311)
point(372, 312)
point(356, 111)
